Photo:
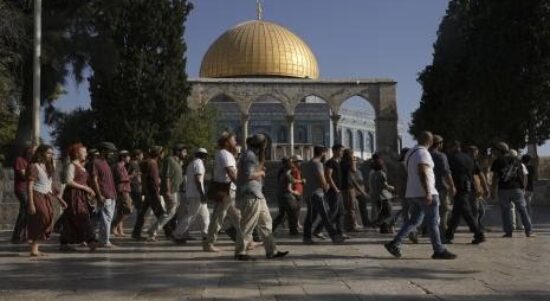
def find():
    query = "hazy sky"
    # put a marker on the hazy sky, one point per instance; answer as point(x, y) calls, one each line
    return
point(350, 38)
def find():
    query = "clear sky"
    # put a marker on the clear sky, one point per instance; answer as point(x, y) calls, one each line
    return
point(350, 38)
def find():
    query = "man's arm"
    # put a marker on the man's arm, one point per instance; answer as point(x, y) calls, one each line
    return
point(423, 174)
point(449, 183)
point(231, 172)
point(329, 180)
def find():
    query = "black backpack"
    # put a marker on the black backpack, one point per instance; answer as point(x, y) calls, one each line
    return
point(512, 171)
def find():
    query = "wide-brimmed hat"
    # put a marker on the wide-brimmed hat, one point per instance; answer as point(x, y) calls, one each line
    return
point(502, 147)
point(107, 146)
point(201, 150)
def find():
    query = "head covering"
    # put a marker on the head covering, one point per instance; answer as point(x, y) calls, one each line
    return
point(256, 140)
point(438, 139)
point(179, 146)
point(93, 151)
point(136, 152)
point(297, 158)
point(201, 150)
point(513, 153)
point(124, 153)
point(155, 150)
point(107, 146)
point(503, 147)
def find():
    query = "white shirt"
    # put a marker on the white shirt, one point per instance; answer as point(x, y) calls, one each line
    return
point(223, 160)
point(194, 168)
point(416, 156)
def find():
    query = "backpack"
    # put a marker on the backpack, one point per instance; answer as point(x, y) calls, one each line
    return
point(512, 171)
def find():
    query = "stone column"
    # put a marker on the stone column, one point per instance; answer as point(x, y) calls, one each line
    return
point(244, 127)
point(335, 118)
point(290, 120)
point(384, 98)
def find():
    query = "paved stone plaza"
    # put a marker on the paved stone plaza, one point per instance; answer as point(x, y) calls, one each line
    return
point(501, 269)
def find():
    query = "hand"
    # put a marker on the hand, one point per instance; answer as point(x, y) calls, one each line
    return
point(453, 191)
point(63, 204)
point(31, 209)
point(100, 199)
point(262, 172)
point(428, 200)
point(303, 181)
point(90, 191)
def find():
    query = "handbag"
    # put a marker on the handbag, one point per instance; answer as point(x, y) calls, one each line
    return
point(218, 191)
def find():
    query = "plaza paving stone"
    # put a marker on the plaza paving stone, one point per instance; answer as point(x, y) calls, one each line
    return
point(500, 269)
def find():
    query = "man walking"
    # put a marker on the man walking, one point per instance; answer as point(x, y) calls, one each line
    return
point(443, 182)
point(422, 197)
point(509, 181)
point(20, 189)
point(314, 194)
point(195, 198)
point(223, 190)
point(171, 180)
point(104, 186)
point(123, 187)
point(462, 169)
point(251, 201)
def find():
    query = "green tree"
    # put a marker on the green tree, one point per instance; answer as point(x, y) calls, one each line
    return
point(139, 90)
point(490, 75)
point(197, 128)
point(76, 126)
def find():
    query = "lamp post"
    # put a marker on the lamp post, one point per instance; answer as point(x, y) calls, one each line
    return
point(36, 72)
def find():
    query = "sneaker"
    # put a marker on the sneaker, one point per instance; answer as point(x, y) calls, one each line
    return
point(445, 255)
point(530, 234)
point(278, 254)
point(478, 240)
point(321, 236)
point(244, 257)
point(413, 237)
point(393, 249)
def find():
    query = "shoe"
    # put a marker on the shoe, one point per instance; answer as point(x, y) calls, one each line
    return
point(338, 240)
point(211, 248)
point(253, 245)
point(478, 240)
point(530, 234)
point(278, 254)
point(413, 237)
point(309, 242)
point(346, 236)
point(392, 249)
point(445, 255)
point(507, 235)
point(244, 257)
point(321, 236)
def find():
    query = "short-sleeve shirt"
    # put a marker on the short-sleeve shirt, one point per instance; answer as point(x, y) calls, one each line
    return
point(249, 164)
point(336, 172)
point(499, 168)
point(196, 167)
point(150, 177)
point(284, 179)
point(297, 185)
point(135, 174)
point(102, 171)
point(20, 181)
point(223, 159)
point(122, 179)
point(462, 170)
point(414, 157)
point(313, 185)
point(441, 169)
point(171, 170)
point(378, 185)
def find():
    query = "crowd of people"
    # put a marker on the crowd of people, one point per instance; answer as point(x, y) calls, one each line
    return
point(99, 189)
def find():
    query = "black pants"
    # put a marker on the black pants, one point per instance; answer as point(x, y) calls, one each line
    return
point(150, 201)
point(317, 209)
point(288, 205)
point(336, 212)
point(462, 209)
point(21, 222)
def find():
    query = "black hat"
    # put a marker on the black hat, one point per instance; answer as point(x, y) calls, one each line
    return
point(107, 146)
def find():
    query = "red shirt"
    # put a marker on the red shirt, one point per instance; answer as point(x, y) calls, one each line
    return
point(102, 171)
point(298, 185)
point(122, 179)
point(20, 169)
point(151, 178)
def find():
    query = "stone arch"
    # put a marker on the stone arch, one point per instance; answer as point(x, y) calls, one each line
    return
point(312, 111)
point(274, 97)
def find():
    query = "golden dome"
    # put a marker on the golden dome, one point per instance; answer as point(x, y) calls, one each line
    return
point(259, 49)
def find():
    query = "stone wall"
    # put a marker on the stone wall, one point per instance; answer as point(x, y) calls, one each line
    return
point(9, 206)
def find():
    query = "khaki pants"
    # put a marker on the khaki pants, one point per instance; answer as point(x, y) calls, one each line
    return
point(221, 209)
point(254, 212)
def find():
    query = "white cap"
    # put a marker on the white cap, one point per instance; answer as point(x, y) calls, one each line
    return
point(297, 158)
point(201, 151)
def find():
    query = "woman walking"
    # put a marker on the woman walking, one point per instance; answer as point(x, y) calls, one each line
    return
point(40, 192)
point(77, 227)
point(382, 194)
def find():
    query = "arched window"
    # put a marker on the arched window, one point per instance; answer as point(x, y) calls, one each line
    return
point(281, 136)
point(301, 134)
point(318, 135)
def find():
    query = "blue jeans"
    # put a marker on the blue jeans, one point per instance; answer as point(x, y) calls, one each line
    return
point(506, 197)
point(418, 209)
point(317, 211)
point(106, 213)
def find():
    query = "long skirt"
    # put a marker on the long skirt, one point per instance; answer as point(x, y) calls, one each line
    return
point(40, 224)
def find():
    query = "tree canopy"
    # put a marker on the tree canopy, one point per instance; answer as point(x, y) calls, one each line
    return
point(490, 75)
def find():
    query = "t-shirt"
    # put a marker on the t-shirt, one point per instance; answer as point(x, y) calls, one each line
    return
point(462, 170)
point(122, 179)
point(313, 185)
point(249, 164)
point(171, 170)
point(441, 169)
point(196, 167)
point(347, 182)
point(414, 157)
point(499, 168)
point(102, 171)
point(378, 186)
point(150, 178)
point(222, 160)
point(283, 180)
point(297, 185)
point(336, 175)
point(19, 168)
